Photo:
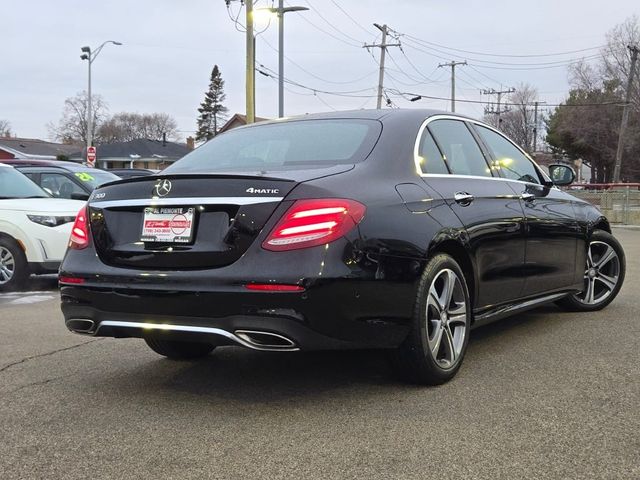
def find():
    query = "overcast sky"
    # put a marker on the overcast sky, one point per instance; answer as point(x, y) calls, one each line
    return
point(170, 47)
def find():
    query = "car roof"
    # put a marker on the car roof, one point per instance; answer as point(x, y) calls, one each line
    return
point(71, 166)
point(409, 114)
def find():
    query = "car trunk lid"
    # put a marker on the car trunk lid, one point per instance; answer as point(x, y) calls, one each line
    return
point(189, 220)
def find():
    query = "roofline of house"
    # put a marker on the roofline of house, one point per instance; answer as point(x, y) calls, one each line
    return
point(22, 155)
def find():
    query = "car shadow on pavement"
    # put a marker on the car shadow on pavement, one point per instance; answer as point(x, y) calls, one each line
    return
point(529, 320)
point(265, 377)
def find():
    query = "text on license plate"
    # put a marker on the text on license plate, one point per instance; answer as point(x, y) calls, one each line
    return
point(167, 225)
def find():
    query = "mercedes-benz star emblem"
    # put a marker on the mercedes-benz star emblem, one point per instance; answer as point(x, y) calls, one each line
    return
point(162, 188)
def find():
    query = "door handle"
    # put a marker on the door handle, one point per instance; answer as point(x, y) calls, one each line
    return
point(463, 198)
point(527, 197)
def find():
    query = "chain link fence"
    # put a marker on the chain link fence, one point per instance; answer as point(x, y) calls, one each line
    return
point(621, 206)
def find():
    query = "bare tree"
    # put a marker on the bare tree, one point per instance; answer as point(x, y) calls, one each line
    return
point(616, 64)
point(586, 125)
point(72, 127)
point(5, 128)
point(126, 126)
point(518, 122)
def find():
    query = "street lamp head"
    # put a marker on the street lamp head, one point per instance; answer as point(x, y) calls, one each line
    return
point(293, 9)
point(116, 43)
point(86, 49)
point(84, 56)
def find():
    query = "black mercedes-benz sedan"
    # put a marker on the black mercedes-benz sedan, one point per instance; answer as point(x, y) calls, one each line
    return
point(390, 229)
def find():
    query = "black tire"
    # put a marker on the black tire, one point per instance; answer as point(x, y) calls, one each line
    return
point(579, 302)
point(14, 269)
point(414, 360)
point(177, 350)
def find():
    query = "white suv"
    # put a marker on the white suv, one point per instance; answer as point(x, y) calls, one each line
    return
point(34, 228)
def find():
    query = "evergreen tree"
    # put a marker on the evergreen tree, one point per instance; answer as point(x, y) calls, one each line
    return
point(212, 111)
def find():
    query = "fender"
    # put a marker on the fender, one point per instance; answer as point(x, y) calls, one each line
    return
point(32, 252)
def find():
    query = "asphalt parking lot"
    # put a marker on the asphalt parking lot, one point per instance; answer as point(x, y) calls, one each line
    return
point(547, 394)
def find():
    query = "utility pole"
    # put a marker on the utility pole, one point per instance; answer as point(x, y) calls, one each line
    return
point(453, 65)
point(497, 110)
point(250, 65)
point(625, 113)
point(383, 49)
point(535, 124)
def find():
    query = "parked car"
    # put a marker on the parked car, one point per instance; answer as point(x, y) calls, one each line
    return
point(63, 179)
point(34, 228)
point(132, 172)
point(394, 229)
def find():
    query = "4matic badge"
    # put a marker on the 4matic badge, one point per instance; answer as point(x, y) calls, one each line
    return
point(262, 190)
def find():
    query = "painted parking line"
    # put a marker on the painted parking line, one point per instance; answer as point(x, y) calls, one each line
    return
point(26, 298)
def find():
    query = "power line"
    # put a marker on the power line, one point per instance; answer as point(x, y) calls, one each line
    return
point(313, 74)
point(554, 54)
point(317, 12)
point(346, 42)
point(268, 72)
point(419, 96)
point(350, 17)
point(483, 74)
point(502, 65)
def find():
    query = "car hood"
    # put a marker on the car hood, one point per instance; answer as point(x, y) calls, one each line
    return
point(42, 205)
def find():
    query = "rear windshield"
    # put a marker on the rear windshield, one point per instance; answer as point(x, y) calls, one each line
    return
point(282, 146)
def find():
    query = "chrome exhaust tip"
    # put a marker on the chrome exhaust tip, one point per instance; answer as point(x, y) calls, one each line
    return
point(265, 340)
point(80, 325)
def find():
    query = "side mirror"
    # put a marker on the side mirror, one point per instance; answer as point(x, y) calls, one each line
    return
point(80, 196)
point(561, 175)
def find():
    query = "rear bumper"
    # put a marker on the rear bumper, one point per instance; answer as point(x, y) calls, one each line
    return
point(333, 315)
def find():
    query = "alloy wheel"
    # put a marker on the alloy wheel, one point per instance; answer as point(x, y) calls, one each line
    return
point(446, 318)
point(7, 265)
point(601, 275)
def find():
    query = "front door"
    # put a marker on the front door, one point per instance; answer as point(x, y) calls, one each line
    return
point(551, 226)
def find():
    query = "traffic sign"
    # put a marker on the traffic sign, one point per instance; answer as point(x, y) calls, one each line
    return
point(91, 156)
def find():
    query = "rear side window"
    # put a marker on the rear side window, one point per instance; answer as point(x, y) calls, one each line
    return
point(286, 145)
point(509, 161)
point(462, 153)
point(429, 156)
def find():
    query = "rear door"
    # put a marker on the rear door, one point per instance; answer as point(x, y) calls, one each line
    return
point(453, 163)
point(552, 229)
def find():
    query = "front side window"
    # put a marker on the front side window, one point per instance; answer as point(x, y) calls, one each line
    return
point(463, 155)
point(59, 185)
point(429, 157)
point(508, 161)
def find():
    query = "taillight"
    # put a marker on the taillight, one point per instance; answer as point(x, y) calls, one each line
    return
point(80, 232)
point(309, 223)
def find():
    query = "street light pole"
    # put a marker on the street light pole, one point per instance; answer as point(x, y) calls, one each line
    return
point(280, 11)
point(90, 55)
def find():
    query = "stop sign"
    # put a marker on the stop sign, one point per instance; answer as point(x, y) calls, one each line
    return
point(91, 156)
